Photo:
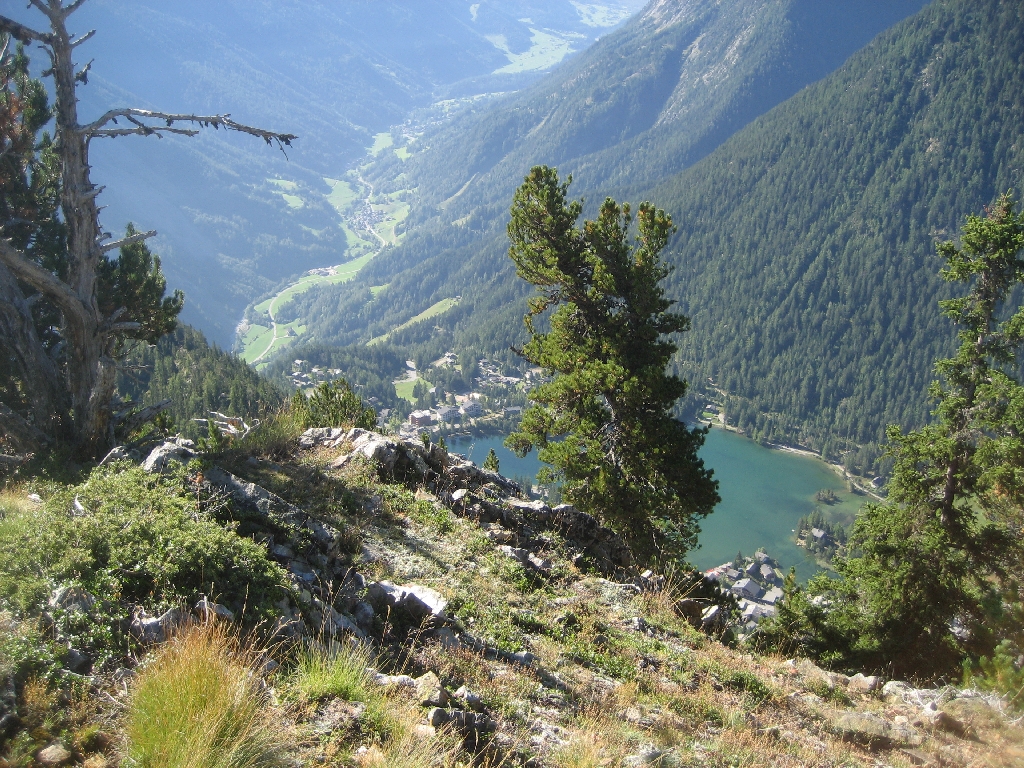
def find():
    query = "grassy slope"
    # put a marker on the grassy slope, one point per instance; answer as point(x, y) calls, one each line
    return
point(433, 311)
point(257, 340)
point(613, 674)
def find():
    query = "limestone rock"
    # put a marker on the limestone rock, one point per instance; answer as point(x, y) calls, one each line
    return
point(896, 691)
point(430, 692)
point(363, 614)
point(275, 509)
point(120, 453)
point(417, 603)
point(55, 754)
point(601, 545)
point(320, 436)
point(161, 457)
point(438, 717)
point(861, 683)
point(393, 681)
point(692, 610)
point(470, 699)
point(209, 611)
point(72, 598)
point(875, 732)
point(936, 718)
point(526, 558)
point(155, 629)
point(373, 446)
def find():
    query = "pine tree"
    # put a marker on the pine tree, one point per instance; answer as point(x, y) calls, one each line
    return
point(941, 558)
point(604, 423)
point(491, 463)
point(66, 308)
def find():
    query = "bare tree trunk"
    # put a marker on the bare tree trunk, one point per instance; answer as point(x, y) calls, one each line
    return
point(89, 377)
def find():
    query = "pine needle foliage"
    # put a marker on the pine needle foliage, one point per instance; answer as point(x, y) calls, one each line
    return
point(938, 567)
point(604, 422)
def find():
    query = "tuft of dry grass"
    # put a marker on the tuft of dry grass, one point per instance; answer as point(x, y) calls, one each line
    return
point(198, 704)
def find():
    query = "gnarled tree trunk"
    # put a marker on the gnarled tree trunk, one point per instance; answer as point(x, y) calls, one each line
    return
point(73, 399)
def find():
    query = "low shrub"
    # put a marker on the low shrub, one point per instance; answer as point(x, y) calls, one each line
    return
point(136, 537)
point(332, 405)
point(1003, 673)
point(197, 704)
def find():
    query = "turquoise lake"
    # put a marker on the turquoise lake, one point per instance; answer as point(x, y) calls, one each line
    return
point(764, 493)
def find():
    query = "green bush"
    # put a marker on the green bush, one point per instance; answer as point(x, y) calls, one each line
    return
point(333, 405)
point(1003, 673)
point(132, 536)
point(341, 672)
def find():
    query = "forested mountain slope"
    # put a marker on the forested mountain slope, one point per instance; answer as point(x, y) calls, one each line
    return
point(806, 250)
point(197, 378)
point(336, 74)
point(806, 253)
point(652, 97)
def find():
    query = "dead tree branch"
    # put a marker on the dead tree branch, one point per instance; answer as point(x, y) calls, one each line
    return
point(137, 117)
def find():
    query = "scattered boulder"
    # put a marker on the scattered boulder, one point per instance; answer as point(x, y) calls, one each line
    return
point(169, 452)
point(896, 691)
point(72, 599)
point(430, 691)
point(692, 610)
point(372, 446)
point(469, 699)
point(320, 436)
point(155, 629)
point(940, 720)
point(413, 602)
point(873, 731)
point(363, 614)
point(447, 638)
point(120, 453)
point(77, 662)
point(208, 611)
point(392, 681)
point(527, 559)
point(53, 755)
point(861, 683)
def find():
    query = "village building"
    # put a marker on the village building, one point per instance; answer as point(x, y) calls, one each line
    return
point(472, 409)
point(747, 588)
point(448, 413)
point(421, 418)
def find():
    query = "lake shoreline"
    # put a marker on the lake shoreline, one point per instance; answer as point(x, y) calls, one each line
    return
point(839, 469)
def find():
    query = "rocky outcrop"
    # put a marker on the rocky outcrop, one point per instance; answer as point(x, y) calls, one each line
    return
point(485, 496)
point(413, 603)
point(161, 458)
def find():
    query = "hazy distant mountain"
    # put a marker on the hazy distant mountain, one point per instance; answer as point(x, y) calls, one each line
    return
point(333, 73)
point(653, 98)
